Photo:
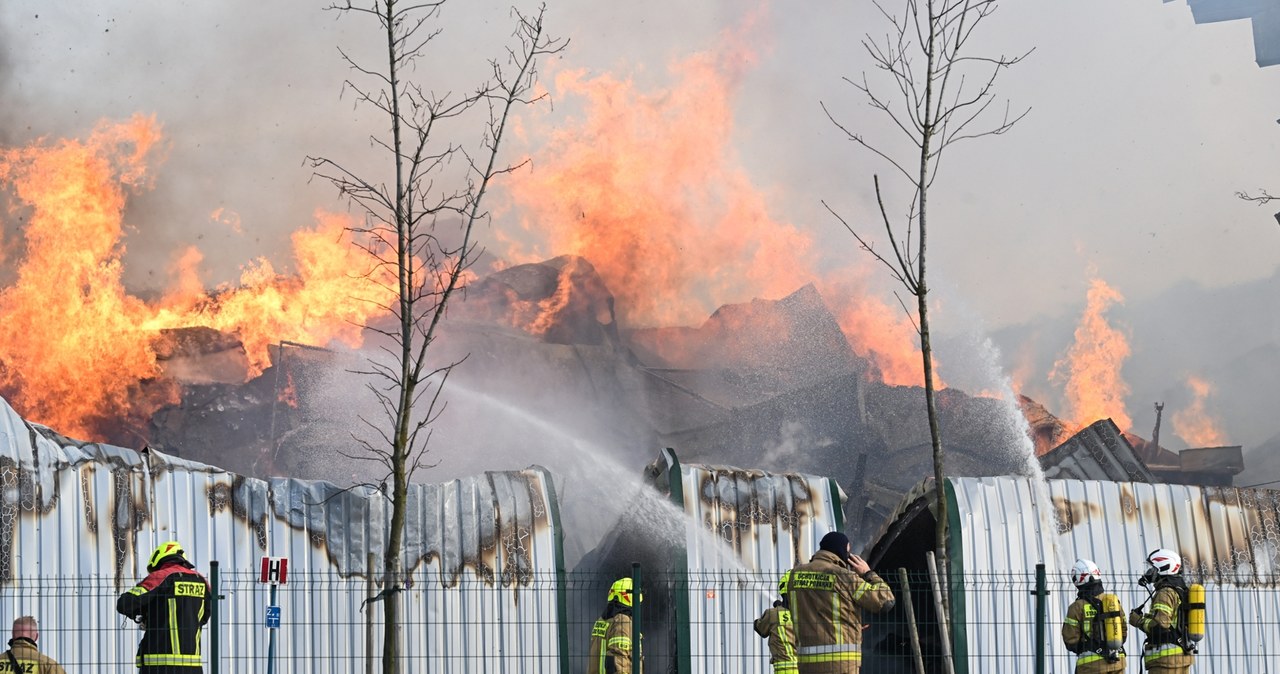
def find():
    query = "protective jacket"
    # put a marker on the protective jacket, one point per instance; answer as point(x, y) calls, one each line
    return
point(29, 658)
point(827, 599)
point(776, 626)
point(1163, 650)
point(1081, 633)
point(171, 604)
point(611, 642)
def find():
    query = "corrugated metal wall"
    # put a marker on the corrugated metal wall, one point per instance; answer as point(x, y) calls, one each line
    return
point(1229, 539)
point(750, 521)
point(77, 523)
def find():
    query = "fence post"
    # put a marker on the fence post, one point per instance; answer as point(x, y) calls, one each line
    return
point(215, 640)
point(368, 617)
point(1042, 616)
point(637, 634)
point(911, 620)
point(940, 608)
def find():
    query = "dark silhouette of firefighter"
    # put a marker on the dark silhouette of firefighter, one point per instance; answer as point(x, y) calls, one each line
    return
point(172, 605)
point(23, 654)
point(827, 596)
point(1174, 625)
point(611, 646)
point(775, 625)
point(1094, 628)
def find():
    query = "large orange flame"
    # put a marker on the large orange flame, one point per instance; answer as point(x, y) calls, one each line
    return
point(1090, 370)
point(646, 187)
point(74, 344)
point(1195, 424)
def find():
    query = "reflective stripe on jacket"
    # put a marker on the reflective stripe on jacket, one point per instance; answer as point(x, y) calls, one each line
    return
point(827, 600)
point(172, 602)
point(1077, 634)
point(1163, 619)
point(610, 637)
point(776, 625)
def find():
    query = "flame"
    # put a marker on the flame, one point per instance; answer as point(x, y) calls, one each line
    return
point(1194, 424)
point(288, 394)
point(1093, 386)
point(76, 347)
point(644, 184)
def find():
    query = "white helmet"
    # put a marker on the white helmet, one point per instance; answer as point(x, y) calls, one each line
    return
point(1165, 562)
point(1084, 572)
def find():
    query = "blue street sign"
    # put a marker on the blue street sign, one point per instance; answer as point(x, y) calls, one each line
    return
point(273, 617)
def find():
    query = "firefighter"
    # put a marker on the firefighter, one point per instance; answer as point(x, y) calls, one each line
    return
point(23, 655)
point(611, 634)
point(171, 605)
point(1094, 628)
point(827, 597)
point(1166, 650)
point(776, 626)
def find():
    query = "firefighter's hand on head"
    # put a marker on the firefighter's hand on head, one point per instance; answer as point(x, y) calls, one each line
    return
point(858, 564)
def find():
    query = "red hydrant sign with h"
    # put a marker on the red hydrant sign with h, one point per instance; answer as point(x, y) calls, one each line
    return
point(275, 570)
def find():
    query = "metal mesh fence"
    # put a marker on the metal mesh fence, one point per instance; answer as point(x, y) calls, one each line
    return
point(541, 622)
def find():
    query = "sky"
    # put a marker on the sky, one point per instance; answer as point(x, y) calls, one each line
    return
point(1142, 126)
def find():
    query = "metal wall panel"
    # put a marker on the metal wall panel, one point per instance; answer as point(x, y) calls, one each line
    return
point(1229, 539)
point(78, 522)
point(750, 521)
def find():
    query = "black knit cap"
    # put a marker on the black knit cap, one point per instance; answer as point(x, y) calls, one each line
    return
point(835, 542)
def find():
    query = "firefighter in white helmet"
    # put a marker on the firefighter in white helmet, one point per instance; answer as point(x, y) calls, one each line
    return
point(1094, 628)
point(611, 646)
point(775, 624)
point(1165, 651)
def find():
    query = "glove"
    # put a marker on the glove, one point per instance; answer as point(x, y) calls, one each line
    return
point(1135, 618)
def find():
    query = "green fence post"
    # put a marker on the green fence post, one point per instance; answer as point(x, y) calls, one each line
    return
point(215, 642)
point(1042, 616)
point(637, 634)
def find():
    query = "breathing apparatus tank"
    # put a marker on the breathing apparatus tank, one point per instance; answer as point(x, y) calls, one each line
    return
point(1112, 624)
point(1195, 613)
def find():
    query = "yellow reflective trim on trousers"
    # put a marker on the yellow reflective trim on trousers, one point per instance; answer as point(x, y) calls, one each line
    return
point(1162, 651)
point(786, 666)
point(853, 656)
point(170, 660)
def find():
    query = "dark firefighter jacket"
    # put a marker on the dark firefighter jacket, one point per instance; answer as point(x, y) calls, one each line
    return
point(29, 658)
point(776, 626)
point(1083, 637)
point(1161, 625)
point(611, 642)
point(171, 603)
point(827, 599)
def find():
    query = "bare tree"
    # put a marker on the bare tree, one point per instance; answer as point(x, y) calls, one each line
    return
point(938, 95)
point(420, 237)
point(1263, 197)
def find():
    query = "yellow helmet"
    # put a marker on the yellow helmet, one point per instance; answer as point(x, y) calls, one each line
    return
point(163, 551)
point(620, 592)
point(784, 582)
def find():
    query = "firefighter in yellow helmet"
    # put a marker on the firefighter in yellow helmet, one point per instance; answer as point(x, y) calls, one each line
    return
point(776, 626)
point(611, 646)
point(1165, 651)
point(1085, 630)
point(171, 605)
point(827, 596)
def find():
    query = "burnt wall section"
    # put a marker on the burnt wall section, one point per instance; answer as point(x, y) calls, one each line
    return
point(69, 509)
